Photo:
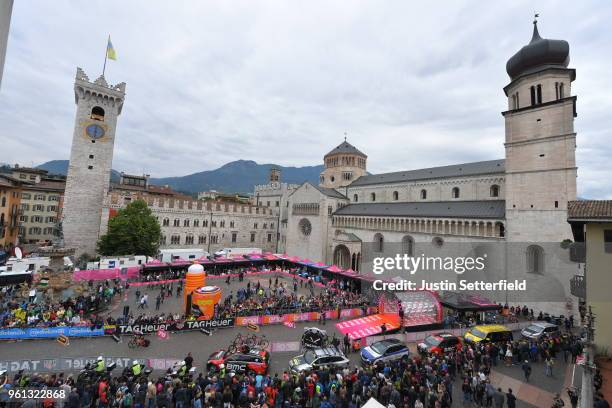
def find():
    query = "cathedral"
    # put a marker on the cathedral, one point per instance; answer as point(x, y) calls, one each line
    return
point(512, 209)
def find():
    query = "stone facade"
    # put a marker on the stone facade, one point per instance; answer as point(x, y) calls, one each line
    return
point(41, 204)
point(209, 225)
point(98, 106)
point(275, 195)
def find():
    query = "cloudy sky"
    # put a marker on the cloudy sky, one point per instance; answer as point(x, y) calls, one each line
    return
point(208, 82)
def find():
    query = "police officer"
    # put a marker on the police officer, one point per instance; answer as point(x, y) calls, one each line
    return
point(182, 371)
point(136, 368)
point(100, 365)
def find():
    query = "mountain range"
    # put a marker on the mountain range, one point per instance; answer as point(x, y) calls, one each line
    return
point(239, 176)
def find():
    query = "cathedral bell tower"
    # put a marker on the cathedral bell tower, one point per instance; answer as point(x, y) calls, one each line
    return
point(91, 156)
point(540, 141)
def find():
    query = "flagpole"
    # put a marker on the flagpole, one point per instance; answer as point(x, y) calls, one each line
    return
point(105, 56)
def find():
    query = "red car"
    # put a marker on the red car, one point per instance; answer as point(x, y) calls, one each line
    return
point(255, 361)
point(439, 343)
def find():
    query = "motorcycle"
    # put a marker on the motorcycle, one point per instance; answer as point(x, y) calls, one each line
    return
point(129, 376)
point(89, 375)
point(174, 372)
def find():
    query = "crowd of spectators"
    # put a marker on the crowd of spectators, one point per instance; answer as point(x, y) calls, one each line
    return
point(280, 297)
point(37, 310)
point(457, 378)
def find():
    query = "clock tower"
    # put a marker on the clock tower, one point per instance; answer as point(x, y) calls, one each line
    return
point(91, 156)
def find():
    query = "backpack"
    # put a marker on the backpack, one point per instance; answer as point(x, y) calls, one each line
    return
point(127, 400)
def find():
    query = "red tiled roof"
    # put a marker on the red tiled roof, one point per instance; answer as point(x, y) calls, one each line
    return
point(589, 209)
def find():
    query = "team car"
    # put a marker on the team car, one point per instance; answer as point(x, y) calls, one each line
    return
point(254, 361)
point(439, 343)
point(384, 350)
point(316, 358)
point(540, 329)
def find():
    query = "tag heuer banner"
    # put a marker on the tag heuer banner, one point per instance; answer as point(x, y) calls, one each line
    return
point(174, 327)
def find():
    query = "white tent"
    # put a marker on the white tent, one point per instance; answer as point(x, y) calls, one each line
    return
point(372, 403)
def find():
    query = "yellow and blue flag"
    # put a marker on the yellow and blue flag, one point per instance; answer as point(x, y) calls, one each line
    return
point(110, 51)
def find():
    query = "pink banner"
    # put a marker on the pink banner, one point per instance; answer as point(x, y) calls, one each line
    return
point(104, 274)
point(300, 317)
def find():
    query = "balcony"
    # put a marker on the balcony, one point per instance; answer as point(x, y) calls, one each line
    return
point(578, 286)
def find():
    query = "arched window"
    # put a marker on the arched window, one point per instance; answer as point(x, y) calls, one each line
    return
point(185, 223)
point(395, 196)
point(3, 201)
point(166, 222)
point(355, 198)
point(423, 194)
point(379, 243)
point(539, 94)
point(535, 259)
point(408, 245)
point(373, 197)
point(561, 96)
point(494, 190)
point(97, 113)
point(532, 92)
point(177, 222)
point(455, 192)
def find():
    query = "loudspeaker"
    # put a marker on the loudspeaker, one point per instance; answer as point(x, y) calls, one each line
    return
point(126, 310)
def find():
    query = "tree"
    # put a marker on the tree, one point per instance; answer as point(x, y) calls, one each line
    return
point(133, 231)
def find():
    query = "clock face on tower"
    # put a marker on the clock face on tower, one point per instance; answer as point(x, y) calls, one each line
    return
point(95, 131)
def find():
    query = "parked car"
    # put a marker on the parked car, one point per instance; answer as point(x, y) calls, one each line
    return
point(538, 329)
point(384, 350)
point(316, 358)
point(255, 360)
point(488, 333)
point(439, 343)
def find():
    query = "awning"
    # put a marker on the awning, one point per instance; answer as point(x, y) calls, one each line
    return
point(319, 265)
point(464, 302)
point(334, 269)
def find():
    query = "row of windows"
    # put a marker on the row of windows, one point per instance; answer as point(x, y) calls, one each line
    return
point(39, 231)
point(38, 207)
point(535, 93)
point(37, 218)
point(23, 176)
point(213, 224)
point(214, 239)
point(534, 253)
point(455, 193)
point(39, 197)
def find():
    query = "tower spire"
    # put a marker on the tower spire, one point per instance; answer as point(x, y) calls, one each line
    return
point(536, 34)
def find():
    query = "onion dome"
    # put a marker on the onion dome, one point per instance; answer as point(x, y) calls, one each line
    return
point(539, 54)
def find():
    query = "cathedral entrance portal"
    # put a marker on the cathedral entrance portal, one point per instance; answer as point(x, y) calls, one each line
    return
point(342, 257)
